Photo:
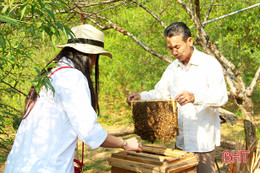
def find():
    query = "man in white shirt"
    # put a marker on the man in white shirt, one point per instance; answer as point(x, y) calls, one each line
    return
point(195, 80)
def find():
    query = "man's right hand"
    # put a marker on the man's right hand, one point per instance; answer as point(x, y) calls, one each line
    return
point(133, 96)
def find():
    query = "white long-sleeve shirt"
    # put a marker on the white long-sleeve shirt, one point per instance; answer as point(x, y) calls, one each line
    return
point(46, 139)
point(199, 123)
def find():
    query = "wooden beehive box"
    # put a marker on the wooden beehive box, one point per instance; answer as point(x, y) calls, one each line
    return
point(154, 160)
point(155, 119)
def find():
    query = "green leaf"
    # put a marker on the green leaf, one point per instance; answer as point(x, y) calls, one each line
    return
point(5, 113)
point(12, 9)
point(2, 41)
point(38, 12)
point(50, 14)
point(23, 9)
point(5, 8)
point(70, 33)
point(9, 20)
point(2, 118)
point(52, 65)
point(37, 70)
point(60, 26)
point(33, 9)
point(41, 4)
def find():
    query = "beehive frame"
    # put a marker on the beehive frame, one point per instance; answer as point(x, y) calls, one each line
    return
point(155, 119)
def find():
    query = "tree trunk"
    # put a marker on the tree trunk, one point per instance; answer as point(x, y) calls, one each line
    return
point(246, 107)
point(240, 93)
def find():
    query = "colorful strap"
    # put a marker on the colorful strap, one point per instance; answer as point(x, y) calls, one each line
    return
point(58, 70)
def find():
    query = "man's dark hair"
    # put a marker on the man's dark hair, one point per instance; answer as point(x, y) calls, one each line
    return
point(178, 28)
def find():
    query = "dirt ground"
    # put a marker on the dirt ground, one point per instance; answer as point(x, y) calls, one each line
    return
point(96, 161)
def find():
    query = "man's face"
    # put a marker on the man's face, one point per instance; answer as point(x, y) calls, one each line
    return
point(180, 49)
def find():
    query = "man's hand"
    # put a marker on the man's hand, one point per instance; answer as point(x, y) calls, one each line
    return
point(185, 97)
point(133, 96)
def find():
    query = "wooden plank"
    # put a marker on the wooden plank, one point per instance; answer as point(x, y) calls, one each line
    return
point(165, 151)
point(144, 167)
point(125, 156)
point(188, 156)
point(129, 162)
point(120, 170)
point(182, 165)
point(154, 156)
point(134, 166)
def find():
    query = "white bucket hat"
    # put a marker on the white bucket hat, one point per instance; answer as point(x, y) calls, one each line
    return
point(88, 39)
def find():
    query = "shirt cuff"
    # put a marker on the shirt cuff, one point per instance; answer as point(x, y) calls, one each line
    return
point(96, 137)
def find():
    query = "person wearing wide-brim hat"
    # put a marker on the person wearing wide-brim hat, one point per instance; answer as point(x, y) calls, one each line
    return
point(53, 121)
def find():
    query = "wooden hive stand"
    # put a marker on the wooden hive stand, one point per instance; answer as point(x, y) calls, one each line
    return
point(154, 160)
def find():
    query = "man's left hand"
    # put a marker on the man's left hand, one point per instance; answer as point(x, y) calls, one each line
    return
point(185, 97)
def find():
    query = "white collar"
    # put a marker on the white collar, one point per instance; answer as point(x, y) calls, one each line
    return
point(65, 61)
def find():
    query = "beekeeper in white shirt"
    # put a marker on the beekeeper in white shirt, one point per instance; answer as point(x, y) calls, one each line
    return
point(47, 136)
point(195, 80)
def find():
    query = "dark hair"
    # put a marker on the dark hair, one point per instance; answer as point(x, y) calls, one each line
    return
point(178, 28)
point(81, 62)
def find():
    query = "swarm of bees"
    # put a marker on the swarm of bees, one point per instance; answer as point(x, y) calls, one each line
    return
point(155, 119)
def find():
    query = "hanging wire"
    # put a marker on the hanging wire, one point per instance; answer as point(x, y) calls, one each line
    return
point(229, 14)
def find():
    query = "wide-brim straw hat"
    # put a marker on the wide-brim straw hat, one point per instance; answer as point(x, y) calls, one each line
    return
point(87, 39)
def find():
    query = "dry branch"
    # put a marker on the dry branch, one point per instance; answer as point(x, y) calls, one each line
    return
point(227, 116)
point(230, 14)
point(186, 7)
point(197, 5)
point(13, 87)
point(229, 64)
point(207, 15)
point(125, 32)
point(87, 4)
point(151, 13)
point(253, 83)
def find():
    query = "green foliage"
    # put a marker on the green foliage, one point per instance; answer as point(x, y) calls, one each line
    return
point(23, 28)
point(238, 37)
point(43, 79)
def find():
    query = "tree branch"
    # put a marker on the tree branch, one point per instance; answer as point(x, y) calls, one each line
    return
point(229, 64)
point(230, 14)
point(230, 80)
point(125, 32)
point(13, 87)
point(207, 15)
point(227, 116)
point(252, 86)
point(90, 14)
point(186, 7)
point(150, 12)
point(87, 4)
point(203, 41)
point(197, 12)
